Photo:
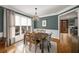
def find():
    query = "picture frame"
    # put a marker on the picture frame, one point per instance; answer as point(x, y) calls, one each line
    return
point(43, 23)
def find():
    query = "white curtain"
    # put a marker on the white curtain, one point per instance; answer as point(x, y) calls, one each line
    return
point(10, 29)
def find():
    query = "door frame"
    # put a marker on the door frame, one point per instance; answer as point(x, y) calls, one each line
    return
point(59, 18)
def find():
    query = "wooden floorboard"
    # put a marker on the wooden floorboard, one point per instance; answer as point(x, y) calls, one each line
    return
point(68, 45)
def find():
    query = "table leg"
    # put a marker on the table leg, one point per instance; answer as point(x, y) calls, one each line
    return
point(42, 48)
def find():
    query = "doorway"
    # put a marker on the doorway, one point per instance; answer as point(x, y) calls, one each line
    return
point(63, 26)
point(69, 32)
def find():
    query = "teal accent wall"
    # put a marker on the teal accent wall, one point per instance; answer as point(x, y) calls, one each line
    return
point(1, 19)
point(52, 22)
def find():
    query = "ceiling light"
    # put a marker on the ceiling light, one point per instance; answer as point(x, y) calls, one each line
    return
point(35, 17)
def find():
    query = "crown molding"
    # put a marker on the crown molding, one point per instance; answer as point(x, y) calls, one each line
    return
point(52, 14)
point(57, 13)
point(49, 15)
point(68, 8)
point(14, 9)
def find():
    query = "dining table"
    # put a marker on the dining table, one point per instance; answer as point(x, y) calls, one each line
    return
point(38, 39)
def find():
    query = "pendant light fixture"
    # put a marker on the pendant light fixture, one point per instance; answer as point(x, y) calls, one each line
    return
point(35, 17)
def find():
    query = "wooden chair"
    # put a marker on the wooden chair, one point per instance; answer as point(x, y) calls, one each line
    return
point(45, 43)
point(26, 38)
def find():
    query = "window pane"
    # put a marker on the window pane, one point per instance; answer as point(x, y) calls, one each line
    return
point(17, 20)
point(29, 28)
point(24, 29)
point(17, 30)
point(23, 21)
point(29, 22)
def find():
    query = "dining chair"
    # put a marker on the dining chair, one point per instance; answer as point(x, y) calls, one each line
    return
point(35, 41)
point(45, 43)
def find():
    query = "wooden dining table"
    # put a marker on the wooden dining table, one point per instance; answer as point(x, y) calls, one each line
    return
point(36, 38)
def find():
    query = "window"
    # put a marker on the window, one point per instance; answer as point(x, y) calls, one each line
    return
point(29, 22)
point(23, 21)
point(29, 28)
point(24, 28)
point(17, 30)
point(17, 20)
point(17, 24)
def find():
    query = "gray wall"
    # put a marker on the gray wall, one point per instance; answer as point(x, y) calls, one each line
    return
point(52, 22)
point(1, 19)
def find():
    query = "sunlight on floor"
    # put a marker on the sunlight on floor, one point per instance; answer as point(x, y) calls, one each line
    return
point(21, 48)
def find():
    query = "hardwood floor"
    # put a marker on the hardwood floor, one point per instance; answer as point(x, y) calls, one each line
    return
point(4, 49)
point(2, 45)
point(67, 44)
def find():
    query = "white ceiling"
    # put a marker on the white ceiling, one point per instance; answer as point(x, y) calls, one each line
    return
point(41, 9)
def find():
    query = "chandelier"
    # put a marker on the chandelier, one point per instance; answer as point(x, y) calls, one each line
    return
point(35, 17)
